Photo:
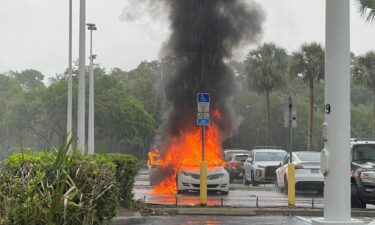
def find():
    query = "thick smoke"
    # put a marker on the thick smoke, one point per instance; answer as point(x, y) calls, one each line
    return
point(204, 33)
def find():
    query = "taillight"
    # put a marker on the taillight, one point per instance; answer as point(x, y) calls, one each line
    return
point(232, 164)
point(297, 167)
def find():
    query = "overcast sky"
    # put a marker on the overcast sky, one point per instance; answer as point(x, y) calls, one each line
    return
point(34, 33)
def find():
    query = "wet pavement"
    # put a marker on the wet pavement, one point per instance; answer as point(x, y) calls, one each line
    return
point(223, 220)
point(239, 196)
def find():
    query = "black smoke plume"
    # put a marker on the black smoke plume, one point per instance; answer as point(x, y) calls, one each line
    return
point(204, 33)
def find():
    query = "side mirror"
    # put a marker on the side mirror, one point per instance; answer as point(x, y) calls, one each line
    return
point(280, 164)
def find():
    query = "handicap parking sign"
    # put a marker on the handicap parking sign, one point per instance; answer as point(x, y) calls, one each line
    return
point(203, 97)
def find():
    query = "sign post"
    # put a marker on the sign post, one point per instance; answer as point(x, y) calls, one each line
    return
point(203, 119)
point(290, 121)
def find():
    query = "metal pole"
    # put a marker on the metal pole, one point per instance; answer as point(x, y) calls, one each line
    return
point(81, 142)
point(337, 202)
point(203, 172)
point(203, 141)
point(70, 82)
point(90, 144)
point(290, 129)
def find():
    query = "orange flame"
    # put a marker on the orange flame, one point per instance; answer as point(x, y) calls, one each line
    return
point(186, 151)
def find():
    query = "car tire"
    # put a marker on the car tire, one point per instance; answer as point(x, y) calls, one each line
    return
point(224, 192)
point(355, 199)
point(254, 183)
point(245, 181)
point(285, 185)
point(279, 189)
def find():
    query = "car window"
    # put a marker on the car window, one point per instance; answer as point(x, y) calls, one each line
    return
point(364, 152)
point(240, 158)
point(286, 160)
point(308, 156)
point(270, 156)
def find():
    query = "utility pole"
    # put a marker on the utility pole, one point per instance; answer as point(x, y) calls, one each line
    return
point(70, 82)
point(335, 157)
point(81, 142)
point(90, 145)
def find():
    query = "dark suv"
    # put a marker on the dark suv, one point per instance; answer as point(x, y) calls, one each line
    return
point(362, 172)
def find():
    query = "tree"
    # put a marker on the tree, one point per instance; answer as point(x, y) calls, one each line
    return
point(308, 64)
point(267, 66)
point(366, 8)
point(29, 79)
point(364, 73)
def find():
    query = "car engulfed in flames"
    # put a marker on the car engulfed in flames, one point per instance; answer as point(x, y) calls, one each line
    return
point(185, 153)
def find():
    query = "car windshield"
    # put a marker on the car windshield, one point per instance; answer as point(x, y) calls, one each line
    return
point(228, 155)
point(364, 152)
point(240, 158)
point(309, 156)
point(270, 156)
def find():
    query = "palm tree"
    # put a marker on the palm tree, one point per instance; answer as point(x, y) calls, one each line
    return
point(308, 63)
point(367, 9)
point(267, 66)
point(364, 73)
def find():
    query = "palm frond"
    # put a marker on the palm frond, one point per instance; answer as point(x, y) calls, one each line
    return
point(366, 8)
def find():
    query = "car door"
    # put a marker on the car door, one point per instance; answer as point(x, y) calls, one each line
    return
point(281, 171)
point(248, 165)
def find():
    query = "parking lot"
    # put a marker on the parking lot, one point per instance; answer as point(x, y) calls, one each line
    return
point(239, 196)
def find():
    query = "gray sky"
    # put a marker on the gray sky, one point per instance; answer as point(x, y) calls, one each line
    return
point(34, 33)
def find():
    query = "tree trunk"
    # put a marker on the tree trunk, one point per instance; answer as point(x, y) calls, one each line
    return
point(310, 116)
point(373, 116)
point(267, 116)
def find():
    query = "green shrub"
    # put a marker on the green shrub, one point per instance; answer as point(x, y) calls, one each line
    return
point(57, 188)
point(126, 170)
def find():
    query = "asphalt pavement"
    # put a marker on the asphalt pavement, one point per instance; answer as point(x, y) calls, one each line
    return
point(239, 196)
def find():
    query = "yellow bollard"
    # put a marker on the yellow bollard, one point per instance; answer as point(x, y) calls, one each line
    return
point(203, 183)
point(291, 185)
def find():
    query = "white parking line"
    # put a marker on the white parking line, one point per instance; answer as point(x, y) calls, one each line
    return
point(303, 219)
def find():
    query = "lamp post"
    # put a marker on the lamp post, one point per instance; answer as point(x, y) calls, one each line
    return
point(90, 143)
point(81, 142)
point(335, 157)
point(70, 84)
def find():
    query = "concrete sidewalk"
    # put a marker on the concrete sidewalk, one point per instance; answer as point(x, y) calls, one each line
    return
point(232, 211)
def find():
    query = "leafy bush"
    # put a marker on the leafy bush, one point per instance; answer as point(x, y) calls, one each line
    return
point(126, 170)
point(57, 188)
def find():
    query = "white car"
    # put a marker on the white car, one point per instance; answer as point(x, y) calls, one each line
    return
point(188, 179)
point(307, 172)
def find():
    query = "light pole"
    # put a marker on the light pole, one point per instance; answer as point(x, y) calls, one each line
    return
point(81, 142)
point(335, 156)
point(70, 84)
point(91, 27)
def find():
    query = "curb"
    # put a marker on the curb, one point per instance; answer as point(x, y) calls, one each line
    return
point(257, 212)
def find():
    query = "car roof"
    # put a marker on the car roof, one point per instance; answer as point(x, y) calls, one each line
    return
point(361, 141)
point(235, 150)
point(268, 150)
point(240, 154)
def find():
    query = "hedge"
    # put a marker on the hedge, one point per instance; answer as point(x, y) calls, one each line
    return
point(60, 188)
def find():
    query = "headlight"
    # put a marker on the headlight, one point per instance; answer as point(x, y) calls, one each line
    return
point(215, 176)
point(369, 175)
point(186, 174)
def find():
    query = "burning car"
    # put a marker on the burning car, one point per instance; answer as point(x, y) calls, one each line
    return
point(188, 179)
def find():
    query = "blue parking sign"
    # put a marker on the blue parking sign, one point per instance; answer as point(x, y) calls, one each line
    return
point(203, 97)
point(203, 122)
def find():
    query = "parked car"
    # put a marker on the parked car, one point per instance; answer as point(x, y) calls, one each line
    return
point(235, 166)
point(362, 172)
point(260, 166)
point(228, 153)
point(307, 172)
point(188, 179)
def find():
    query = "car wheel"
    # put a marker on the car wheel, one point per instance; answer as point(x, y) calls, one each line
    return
point(245, 181)
point(356, 200)
point(224, 192)
point(285, 185)
point(279, 189)
point(253, 181)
